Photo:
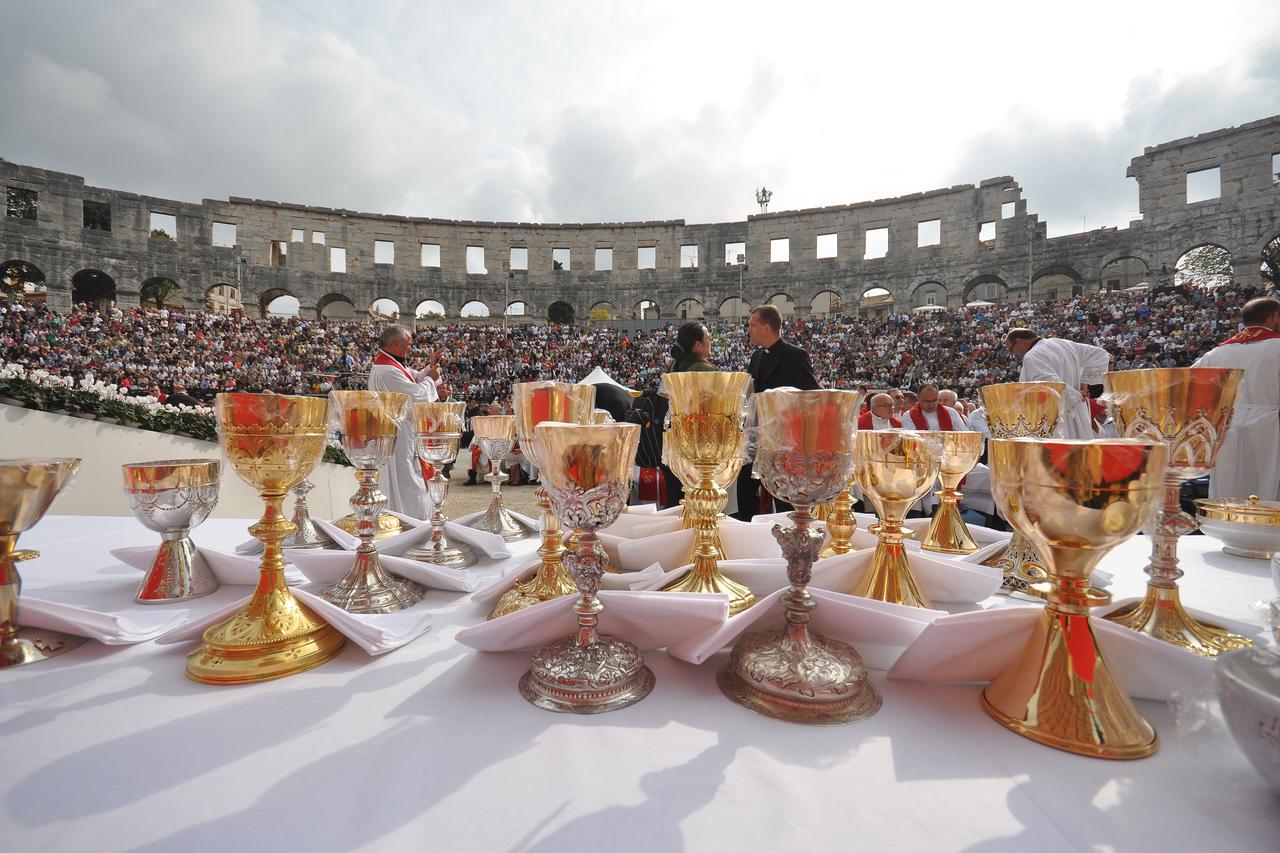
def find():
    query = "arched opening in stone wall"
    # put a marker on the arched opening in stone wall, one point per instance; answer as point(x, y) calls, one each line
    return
point(429, 309)
point(689, 309)
point(518, 309)
point(384, 310)
point(560, 312)
point(21, 280)
point(1124, 273)
point(160, 292)
point(222, 298)
point(985, 288)
point(278, 302)
point(826, 303)
point(604, 311)
point(785, 304)
point(928, 294)
point(1207, 265)
point(1053, 286)
point(875, 302)
point(93, 287)
point(474, 308)
point(1271, 263)
point(734, 308)
point(335, 306)
point(646, 309)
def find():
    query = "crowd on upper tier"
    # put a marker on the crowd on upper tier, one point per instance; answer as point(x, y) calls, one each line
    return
point(203, 353)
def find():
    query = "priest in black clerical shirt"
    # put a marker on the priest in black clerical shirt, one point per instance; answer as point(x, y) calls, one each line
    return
point(774, 364)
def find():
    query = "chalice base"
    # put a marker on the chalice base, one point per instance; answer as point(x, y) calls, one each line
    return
point(368, 589)
point(1043, 697)
point(1246, 552)
point(1161, 615)
point(821, 682)
point(889, 578)
point(551, 580)
point(498, 520)
point(178, 573)
point(33, 645)
point(309, 536)
point(948, 534)
point(272, 636)
point(450, 556)
point(604, 675)
point(702, 578)
point(388, 526)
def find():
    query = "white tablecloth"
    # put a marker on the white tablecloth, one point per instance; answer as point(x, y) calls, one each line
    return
point(431, 747)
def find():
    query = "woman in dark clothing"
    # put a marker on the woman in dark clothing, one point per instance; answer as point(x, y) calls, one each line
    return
point(691, 351)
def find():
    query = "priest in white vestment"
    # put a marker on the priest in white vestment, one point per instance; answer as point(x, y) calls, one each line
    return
point(1073, 364)
point(403, 480)
point(1249, 460)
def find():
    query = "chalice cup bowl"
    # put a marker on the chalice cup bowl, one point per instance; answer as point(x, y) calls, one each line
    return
point(437, 431)
point(172, 497)
point(1189, 409)
point(805, 456)
point(497, 436)
point(307, 535)
point(535, 403)
point(948, 534)
point(895, 469)
point(587, 472)
point(1021, 410)
point(272, 441)
point(706, 431)
point(27, 488)
point(1076, 500)
point(369, 422)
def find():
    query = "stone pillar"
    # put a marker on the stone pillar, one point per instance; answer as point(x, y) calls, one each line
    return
point(1246, 270)
point(58, 299)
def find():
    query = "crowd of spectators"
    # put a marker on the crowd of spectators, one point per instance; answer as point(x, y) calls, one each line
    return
point(202, 353)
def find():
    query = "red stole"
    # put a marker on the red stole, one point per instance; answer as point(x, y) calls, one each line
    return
point(652, 486)
point(1251, 334)
point(917, 418)
point(865, 422)
point(428, 471)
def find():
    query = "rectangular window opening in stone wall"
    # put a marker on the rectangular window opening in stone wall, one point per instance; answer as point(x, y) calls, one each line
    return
point(647, 258)
point(604, 259)
point(224, 234)
point(97, 216)
point(735, 253)
point(475, 261)
point(827, 246)
point(877, 243)
point(1008, 209)
point(384, 252)
point(431, 255)
point(780, 250)
point(297, 235)
point(317, 238)
point(987, 234)
point(337, 259)
point(1275, 168)
point(560, 259)
point(164, 226)
point(519, 258)
point(929, 233)
point(1204, 185)
point(279, 253)
point(21, 203)
point(688, 257)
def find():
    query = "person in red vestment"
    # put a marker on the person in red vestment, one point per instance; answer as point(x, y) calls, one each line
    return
point(928, 414)
point(880, 415)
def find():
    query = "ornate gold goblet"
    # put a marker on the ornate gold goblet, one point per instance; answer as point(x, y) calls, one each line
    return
point(171, 497)
point(27, 487)
point(1076, 500)
point(1189, 409)
point(841, 523)
point(535, 403)
point(587, 472)
point(1021, 410)
point(272, 441)
point(804, 455)
point(685, 471)
point(706, 429)
point(497, 435)
point(948, 534)
point(307, 535)
point(895, 469)
point(369, 422)
point(437, 431)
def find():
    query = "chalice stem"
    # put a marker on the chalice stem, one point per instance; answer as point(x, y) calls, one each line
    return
point(551, 580)
point(438, 490)
point(841, 524)
point(272, 529)
point(948, 533)
point(705, 502)
point(10, 589)
point(586, 562)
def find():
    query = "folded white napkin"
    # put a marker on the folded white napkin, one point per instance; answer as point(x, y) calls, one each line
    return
point(879, 631)
point(652, 509)
point(741, 541)
point(636, 525)
point(229, 569)
point(939, 577)
point(113, 629)
point(760, 576)
point(326, 567)
point(651, 620)
point(532, 524)
point(419, 532)
point(978, 646)
point(491, 592)
point(375, 633)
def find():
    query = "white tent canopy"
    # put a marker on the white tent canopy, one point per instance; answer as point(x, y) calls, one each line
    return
point(598, 377)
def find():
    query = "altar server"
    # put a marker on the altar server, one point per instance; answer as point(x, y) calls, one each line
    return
point(405, 479)
point(1075, 365)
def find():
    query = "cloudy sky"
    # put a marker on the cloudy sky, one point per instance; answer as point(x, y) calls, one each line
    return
point(592, 111)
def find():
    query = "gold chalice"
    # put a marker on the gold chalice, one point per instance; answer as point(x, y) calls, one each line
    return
point(497, 435)
point(27, 487)
point(369, 422)
point(804, 455)
point(171, 497)
point(1189, 409)
point(685, 471)
point(706, 430)
point(587, 472)
point(437, 431)
point(1021, 410)
point(1076, 500)
point(272, 441)
point(948, 534)
point(895, 469)
point(535, 403)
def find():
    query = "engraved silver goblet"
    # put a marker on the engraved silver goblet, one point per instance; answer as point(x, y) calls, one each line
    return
point(306, 534)
point(172, 497)
point(497, 436)
point(437, 431)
